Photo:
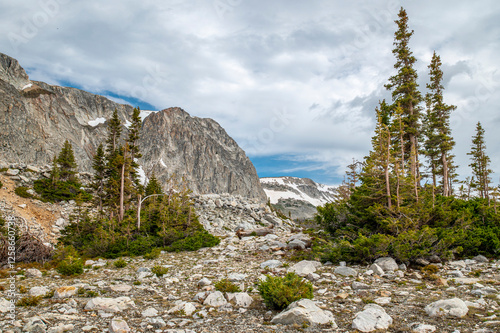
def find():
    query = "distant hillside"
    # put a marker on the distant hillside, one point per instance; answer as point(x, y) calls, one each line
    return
point(297, 196)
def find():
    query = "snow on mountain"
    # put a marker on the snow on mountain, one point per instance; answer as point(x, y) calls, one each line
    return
point(297, 196)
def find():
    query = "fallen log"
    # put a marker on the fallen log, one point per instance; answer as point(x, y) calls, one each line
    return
point(254, 232)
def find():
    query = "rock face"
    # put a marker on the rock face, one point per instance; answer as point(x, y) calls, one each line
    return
point(36, 118)
point(198, 151)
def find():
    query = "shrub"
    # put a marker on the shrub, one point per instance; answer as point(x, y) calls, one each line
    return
point(120, 263)
point(227, 286)
point(155, 253)
point(1, 184)
point(22, 191)
point(279, 292)
point(60, 190)
point(199, 239)
point(67, 261)
point(29, 301)
point(159, 270)
point(430, 269)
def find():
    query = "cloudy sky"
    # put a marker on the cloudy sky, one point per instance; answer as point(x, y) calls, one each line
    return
point(295, 83)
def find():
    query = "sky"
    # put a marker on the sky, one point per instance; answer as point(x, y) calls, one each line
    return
point(295, 83)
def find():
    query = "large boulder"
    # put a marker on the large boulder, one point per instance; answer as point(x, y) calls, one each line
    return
point(452, 307)
point(304, 311)
point(373, 317)
point(305, 267)
point(107, 304)
point(387, 264)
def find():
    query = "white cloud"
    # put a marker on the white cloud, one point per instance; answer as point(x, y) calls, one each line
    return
point(248, 61)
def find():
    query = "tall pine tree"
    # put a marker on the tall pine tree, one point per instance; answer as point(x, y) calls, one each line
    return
point(67, 163)
point(480, 163)
point(438, 140)
point(406, 95)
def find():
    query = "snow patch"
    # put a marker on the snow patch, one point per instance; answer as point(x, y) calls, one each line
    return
point(29, 85)
point(142, 175)
point(127, 123)
point(144, 113)
point(162, 163)
point(97, 121)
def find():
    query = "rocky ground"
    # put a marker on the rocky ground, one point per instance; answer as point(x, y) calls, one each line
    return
point(394, 299)
point(458, 296)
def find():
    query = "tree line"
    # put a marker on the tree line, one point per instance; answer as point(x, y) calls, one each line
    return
point(384, 208)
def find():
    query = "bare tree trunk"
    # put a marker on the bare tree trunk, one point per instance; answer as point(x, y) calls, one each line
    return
point(387, 180)
point(122, 190)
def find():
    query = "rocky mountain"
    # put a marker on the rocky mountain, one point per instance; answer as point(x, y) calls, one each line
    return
point(298, 197)
point(36, 118)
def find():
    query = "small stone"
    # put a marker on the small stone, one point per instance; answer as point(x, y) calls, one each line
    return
point(183, 307)
point(33, 272)
point(346, 271)
point(304, 311)
point(12, 172)
point(204, 282)
point(422, 262)
point(111, 305)
point(359, 285)
point(22, 206)
point(422, 328)
point(453, 307)
point(118, 325)
point(38, 291)
point(237, 277)
point(6, 306)
point(271, 264)
point(65, 292)
point(121, 288)
point(149, 312)
point(240, 299)
point(61, 328)
point(480, 258)
point(377, 269)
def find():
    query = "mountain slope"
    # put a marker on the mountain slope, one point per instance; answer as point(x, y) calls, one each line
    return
point(297, 196)
point(36, 118)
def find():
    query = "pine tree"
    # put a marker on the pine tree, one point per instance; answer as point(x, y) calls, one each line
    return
point(438, 143)
point(99, 166)
point(54, 172)
point(114, 133)
point(480, 163)
point(406, 95)
point(153, 186)
point(66, 162)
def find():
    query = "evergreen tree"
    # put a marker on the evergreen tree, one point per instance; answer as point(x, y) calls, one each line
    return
point(66, 162)
point(153, 186)
point(405, 94)
point(99, 166)
point(438, 141)
point(480, 163)
point(114, 133)
point(54, 172)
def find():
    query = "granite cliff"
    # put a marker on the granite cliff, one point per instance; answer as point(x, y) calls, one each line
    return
point(36, 118)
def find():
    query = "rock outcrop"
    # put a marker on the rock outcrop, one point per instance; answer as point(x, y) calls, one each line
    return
point(36, 118)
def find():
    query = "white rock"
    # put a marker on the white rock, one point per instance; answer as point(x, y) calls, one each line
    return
point(215, 299)
point(35, 324)
point(373, 317)
point(359, 285)
point(453, 307)
point(422, 328)
point(121, 288)
point(304, 311)
point(240, 299)
point(204, 282)
point(305, 267)
point(61, 328)
point(346, 271)
point(271, 264)
point(38, 291)
point(107, 304)
point(387, 264)
point(382, 300)
point(6, 305)
point(181, 306)
point(149, 312)
point(377, 269)
point(237, 277)
point(118, 325)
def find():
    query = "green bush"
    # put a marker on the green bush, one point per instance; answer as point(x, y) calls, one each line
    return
point(29, 301)
point(120, 263)
point(199, 239)
point(154, 254)
point(226, 286)
point(22, 191)
point(67, 261)
point(279, 292)
point(60, 190)
point(159, 270)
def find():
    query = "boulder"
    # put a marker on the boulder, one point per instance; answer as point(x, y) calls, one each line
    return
point(240, 299)
point(38, 291)
point(373, 317)
point(305, 267)
point(387, 264)
point(107, 304)
point(33, 273)
point(304, 311)
point(215, 299)
point(345, 271)
point(271, 264)
point(377, 269)
point(150, 312)
point(118, 325)
point(180, 306)
point(65, 292)
point(452, 307)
